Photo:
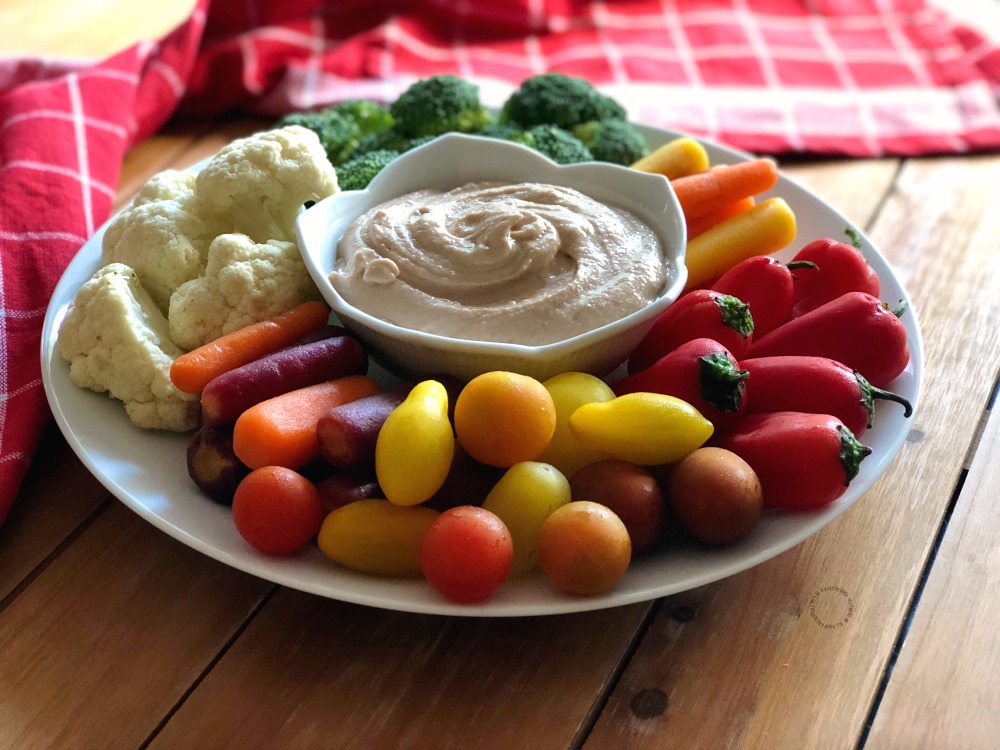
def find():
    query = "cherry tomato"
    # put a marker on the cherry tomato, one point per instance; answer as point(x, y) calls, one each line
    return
point(466, 554)
point(523, 498)
point(584, 548)
point(277, 510)
point(631, 491)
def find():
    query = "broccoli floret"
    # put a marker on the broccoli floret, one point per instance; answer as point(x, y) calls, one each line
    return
point(386, 140)
point(419, 141)
point(507, 132)
point(370, 116)
point(342, 127)
point(439, 104)
point(359, 171)
point(559, 145)
point(390, 140)
point(558, 99)
point(616, 141)
point(338, 134)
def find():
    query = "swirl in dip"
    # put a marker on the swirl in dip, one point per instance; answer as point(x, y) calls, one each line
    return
point(525, 263)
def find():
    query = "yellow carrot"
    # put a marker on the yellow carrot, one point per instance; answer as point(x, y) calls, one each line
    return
point(676, 158)
point(761, 230)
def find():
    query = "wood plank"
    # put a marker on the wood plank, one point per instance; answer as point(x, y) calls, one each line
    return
point(945, 688)
point(853, 187)
point(790, 654)
point(50, 507)
point(311, 672)
point(52, 27)
point(100, 646)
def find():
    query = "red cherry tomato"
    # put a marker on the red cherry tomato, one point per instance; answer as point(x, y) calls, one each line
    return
point(467, 552)
point(277, 510)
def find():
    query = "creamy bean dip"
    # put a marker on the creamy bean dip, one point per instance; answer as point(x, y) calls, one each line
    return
point(525, 263)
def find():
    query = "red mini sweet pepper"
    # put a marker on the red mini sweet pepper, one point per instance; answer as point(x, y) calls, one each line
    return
point(816, 385)
point(767, 286)
point(839, 268)
point(701, 313)
point(702, 372)
point(803, 461)
point(856, 329)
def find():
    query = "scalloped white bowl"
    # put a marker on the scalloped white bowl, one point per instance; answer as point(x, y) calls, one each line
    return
point(452, 161)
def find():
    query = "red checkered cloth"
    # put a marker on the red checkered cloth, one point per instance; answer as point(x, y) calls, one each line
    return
point(847, 77)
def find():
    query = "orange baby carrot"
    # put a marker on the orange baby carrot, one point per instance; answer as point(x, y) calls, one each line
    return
point(193, 370)
point(703, 223)
point(282, 430)
point(704, 192)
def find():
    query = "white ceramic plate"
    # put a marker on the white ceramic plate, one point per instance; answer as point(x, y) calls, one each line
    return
point(147, 470)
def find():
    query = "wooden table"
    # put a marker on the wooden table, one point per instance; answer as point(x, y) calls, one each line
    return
point(113, 634)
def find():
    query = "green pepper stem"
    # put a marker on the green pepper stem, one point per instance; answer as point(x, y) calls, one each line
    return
point(721, 381)
point(890, 396)
point(852, 453)
point(796, 264)
point(800, 264)
point(855, 236)
point(735, 314)
point(869, 393)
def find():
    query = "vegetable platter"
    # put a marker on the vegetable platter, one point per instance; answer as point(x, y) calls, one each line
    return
point(147, 469)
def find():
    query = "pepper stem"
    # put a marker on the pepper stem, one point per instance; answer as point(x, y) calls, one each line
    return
point(855, 236)
point(722, 381)
point(852, 453)
point(792, 265)
point(735, 314)
point(869, 393)
point(797, 264)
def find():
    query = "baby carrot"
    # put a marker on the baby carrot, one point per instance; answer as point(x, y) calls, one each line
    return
point(702, 193)
point(193, 370)
point(761, 230)
point(703, 223)
point(282, 430)
point(676, 158)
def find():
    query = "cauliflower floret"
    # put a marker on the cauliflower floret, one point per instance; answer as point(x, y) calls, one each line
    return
point(161, 236)
point(169, 185)
point(116, 340)
point(244, 282)
point(259, 183)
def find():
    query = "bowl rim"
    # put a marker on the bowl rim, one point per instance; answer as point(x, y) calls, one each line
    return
point(320, 228)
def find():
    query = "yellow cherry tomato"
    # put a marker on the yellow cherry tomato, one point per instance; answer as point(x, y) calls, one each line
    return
point(415, 446)
point(569, 391)
point(523, 498)
point(645, 428)
point(374, 536)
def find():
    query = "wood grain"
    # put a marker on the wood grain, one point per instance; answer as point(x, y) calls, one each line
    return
point(50, 507)
point(311, 672)
point(98, 648)
point(757, 665)
point(945, 688)
point(53, 27)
